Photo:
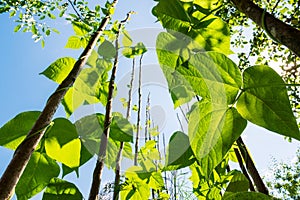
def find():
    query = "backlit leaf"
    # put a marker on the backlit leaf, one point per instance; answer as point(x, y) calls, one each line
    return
point(213, 128)
point(62, 143)
point(74, 42)
point(179, 154)
point(14, 131)
point(265, 102)
point(248, 196)
point(61, 189)
point(59, 69)
point(37, 175)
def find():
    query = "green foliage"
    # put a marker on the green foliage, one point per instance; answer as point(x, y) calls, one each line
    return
point(38, 173)
point(192, 54)
point(264, 93)
point(60, 189)
point(213, 129)
point(248, 196)
point(59, 69)
point(62, 143)
point(207, 30)
point(107, 50)
point(90, 129)
point(14, 131)
point(179, 154)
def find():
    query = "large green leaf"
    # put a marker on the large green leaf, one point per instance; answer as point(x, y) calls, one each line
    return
point(265, 102)
point(61, 189)
point(213, 128)
point(209, 74)
point(62, 143)
point(209, 31)
point(37, 175)
point(59, 69)
point(179, 154)
point(14, 131)
point(248, 196)
point(217, 72)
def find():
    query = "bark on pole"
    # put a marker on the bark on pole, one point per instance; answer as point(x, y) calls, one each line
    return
point(282, 32)
point(97, 174)
point(24, 151)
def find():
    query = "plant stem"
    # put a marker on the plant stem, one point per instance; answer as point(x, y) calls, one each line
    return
point(94, 191)
point(139, 113)
point(251, 167)
point(147, 124)
point(119, 156)
point(240, 160)
point(24, 151)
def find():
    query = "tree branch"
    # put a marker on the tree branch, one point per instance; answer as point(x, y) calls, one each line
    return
point(119, 156)
point(240, 161)
point(23, 153)
point(282, 32)
point(94, 191)
point(251, 167)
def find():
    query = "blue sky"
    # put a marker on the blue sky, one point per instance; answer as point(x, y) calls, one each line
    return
point(23, 89)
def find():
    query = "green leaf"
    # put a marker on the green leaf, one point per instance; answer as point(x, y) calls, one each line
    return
point(213, 128)
point(17, 28)
point(112, 151)
point(90, 129)
point(134, 188)
point(74, 42)
point(59, 69)
point(92, 60)
point(212, 36)
point(127, 41)
point(61, 189)
point(62, 143)
point(85, 156)
point(107, 50)
point(12, 13)
point(215, 72)
point(80, 28)
point(238, 183)
point(51, 15)
point(248, 196)
point(265, 102)
point(204, 188)
point(14, 131)
point(121, 129)
point(169, 52)
point(172, 14)
point(38, 173)
point(72, 100)
point(179, 154)
point(91, 87)
point(209, 74)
